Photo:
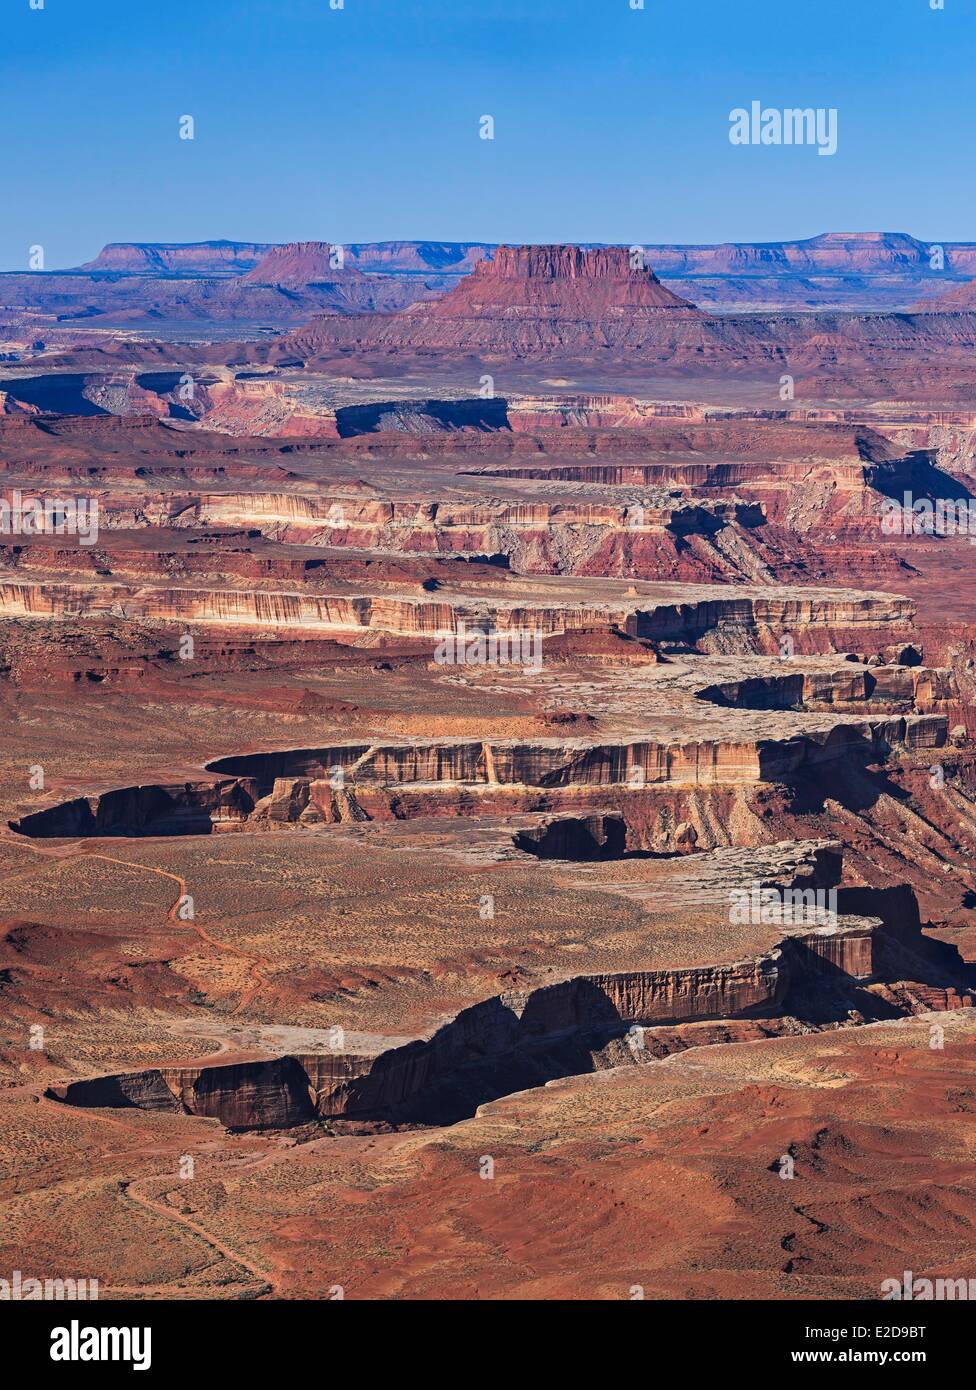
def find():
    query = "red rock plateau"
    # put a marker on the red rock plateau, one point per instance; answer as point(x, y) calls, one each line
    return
point(579, 778)
point(851, 270)
point(204, 258)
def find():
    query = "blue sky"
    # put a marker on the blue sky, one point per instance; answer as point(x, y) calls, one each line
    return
point(361, 124)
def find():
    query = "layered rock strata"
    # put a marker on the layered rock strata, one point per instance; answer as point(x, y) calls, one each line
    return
point(521, 1038)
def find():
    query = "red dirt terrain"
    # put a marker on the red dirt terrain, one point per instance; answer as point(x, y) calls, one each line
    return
point(479, 846)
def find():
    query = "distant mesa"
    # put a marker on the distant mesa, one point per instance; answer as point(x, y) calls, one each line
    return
point(196, 258)
point(209, 282)
point(238, 258)
point(300, 263)
point(830, 253)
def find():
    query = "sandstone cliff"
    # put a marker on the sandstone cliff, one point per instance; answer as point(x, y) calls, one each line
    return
point(523, 1038)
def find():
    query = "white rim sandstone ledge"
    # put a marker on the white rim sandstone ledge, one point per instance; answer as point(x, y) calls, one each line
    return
point(664, 612)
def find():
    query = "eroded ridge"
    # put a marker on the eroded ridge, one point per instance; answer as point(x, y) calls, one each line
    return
point(833, 947)
point(811, 719)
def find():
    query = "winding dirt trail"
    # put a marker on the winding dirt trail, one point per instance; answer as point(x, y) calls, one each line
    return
point(259, 964)
point(267, 1283)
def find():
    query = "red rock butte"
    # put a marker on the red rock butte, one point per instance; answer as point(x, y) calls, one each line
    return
point(299, 263)
point(559, 281)
point(528, 301)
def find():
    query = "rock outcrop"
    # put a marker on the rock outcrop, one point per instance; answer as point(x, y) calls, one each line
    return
point(531, 300)
point(670, 613)
point(523, 1038)
point(302, 263)
point(301, 785)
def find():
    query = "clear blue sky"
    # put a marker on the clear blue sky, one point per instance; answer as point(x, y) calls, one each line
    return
point(361, 124)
